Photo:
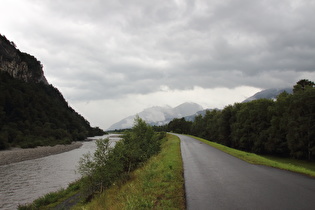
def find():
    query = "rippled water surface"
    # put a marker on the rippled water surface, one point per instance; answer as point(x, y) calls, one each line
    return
point(25, 181)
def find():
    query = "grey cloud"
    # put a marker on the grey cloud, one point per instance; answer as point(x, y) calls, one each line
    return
point(106, 49)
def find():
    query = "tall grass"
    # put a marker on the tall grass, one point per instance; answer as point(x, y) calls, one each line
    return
point(52, 199)
point(158, 184)
point(281, 163)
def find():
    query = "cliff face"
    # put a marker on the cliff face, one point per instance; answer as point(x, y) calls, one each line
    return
point(18, 64)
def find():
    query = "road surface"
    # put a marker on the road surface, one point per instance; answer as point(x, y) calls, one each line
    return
point(216, 180)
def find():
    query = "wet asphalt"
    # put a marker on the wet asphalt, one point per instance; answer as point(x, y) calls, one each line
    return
point(216, 180)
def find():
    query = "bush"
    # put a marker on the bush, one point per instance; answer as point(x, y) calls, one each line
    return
point(111, 164)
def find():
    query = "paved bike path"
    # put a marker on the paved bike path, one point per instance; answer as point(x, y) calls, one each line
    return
point(216, 180)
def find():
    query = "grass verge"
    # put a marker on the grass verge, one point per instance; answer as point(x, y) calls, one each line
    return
point(158, 184)
point(51, 200)
point(302, 167)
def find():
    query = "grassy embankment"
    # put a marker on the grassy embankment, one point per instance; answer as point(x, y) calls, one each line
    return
point(159, 184)
point(299, 166)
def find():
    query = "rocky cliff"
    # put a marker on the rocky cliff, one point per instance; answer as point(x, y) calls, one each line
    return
point(18, 64)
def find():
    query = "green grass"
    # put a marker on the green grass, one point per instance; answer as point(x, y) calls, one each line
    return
point(158, 184)
point(301, 163)
point(303, 167)
point(52, 199)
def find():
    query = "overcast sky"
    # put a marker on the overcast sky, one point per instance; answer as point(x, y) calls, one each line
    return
point(113, 58)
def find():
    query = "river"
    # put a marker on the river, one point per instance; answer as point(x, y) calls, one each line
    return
point(25, 181)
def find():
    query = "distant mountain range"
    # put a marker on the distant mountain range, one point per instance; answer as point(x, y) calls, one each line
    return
point(162, 115)
point(158, 115)
point(268, 94)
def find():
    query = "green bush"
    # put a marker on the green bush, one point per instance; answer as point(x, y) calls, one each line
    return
point(111, 164)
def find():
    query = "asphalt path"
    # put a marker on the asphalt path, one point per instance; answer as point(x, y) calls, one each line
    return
point(216, 180)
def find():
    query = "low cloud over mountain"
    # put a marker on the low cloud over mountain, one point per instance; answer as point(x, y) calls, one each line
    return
point(159, 115)
point(268, 93)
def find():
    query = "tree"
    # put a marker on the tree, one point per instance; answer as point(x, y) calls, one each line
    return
point(109, 164)
point(95, 169)
point(301, 124)
point(198, 127)
point(277, 142)
point(225, 125)
point(179, 126)
point(303, 85)
point(252, 124)
point(4, 138)
point(212, 126)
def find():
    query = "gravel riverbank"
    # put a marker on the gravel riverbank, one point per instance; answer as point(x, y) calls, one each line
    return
point(18, 155)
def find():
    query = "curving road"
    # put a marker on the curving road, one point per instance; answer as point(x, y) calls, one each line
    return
point(216, 180)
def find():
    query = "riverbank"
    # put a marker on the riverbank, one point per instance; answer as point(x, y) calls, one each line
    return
point(17, 154)
point(158, 184)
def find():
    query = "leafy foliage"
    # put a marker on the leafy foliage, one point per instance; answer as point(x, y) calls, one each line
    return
point(158, 184)
point(285, 127)
point(303, 85)
point(36, 114)
point(110, 164)
point(179, 125)
point(301, 124)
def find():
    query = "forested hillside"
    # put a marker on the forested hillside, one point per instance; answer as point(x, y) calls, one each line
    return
point(284, 127)
point(32, 112)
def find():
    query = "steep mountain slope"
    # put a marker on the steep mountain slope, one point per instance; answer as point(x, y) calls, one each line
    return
point(18, 64)
point(159, 115)
point(268, 93)
point(32, 112)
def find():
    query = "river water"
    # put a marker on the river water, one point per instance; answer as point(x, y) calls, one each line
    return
point(25, 181)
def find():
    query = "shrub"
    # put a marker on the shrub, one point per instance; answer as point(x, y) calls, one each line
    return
point(110, 164)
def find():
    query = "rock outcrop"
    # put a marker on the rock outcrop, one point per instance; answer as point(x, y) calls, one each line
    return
point(18, 64)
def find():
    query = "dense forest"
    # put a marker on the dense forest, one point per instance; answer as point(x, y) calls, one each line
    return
point(282, 127)
point(34, 114)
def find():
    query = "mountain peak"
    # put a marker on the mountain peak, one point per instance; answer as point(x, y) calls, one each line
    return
point(188, 105)
point(158, 115)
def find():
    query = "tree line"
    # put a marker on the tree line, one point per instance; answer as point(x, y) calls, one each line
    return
point(36, 114)
point(282, 127)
